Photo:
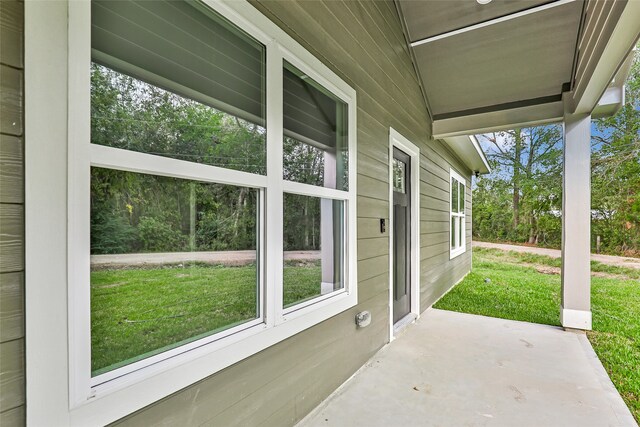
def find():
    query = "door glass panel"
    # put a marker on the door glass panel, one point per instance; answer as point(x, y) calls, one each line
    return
point(399, 170)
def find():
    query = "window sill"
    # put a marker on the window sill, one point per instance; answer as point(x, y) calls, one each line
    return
point(114, 399)
point(456, 253)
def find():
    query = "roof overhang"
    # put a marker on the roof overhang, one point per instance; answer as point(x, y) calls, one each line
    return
point(468, 149)
point(510, 64)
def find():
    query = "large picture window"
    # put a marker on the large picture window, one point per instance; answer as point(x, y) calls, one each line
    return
point(173, 260)
point(211, 189)
point(457, 214)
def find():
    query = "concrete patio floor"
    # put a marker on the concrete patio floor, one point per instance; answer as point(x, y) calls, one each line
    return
point(454, 369)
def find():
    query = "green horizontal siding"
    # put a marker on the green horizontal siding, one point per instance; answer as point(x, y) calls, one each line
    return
point(12, 369)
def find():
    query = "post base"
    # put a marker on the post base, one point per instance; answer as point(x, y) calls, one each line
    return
point(575, 319)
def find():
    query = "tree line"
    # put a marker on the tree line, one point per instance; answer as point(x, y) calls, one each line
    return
point(521, 200)
point(133, 212)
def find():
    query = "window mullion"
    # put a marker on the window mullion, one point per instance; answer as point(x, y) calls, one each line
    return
point(274, 202)
point(132, 161)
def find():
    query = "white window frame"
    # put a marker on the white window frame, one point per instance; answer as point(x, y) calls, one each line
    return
point(461, 217)
point(60, 389)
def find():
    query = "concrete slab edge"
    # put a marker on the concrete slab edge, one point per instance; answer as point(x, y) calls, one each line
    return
point(618, 407)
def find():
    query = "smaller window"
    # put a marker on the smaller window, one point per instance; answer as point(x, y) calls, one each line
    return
point(457, 213)
point(314, 248)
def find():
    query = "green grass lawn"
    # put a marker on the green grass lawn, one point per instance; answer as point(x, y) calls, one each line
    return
point(526, 287)
point(136, 313)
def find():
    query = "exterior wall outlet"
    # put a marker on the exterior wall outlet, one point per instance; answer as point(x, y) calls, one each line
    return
point(363, 319)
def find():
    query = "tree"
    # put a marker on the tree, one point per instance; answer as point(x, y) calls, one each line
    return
point(616, 172)
point(133, 212)
point(528, 161)
point(521, 200)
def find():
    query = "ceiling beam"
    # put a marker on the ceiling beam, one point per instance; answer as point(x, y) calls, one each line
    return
point(532, 115)
point(490, 22)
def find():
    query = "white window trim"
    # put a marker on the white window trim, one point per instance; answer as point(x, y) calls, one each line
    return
point(59, 386)
point(463, 241)
point(396, 139)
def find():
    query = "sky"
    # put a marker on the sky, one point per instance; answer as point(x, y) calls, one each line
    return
point(503, 142)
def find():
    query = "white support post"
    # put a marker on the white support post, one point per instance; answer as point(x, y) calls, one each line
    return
point(576, 223)
point(326, 226)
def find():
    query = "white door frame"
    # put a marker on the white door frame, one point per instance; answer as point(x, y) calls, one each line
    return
point(400, 142)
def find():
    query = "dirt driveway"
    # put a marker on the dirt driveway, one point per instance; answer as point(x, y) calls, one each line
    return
point(618, 261)
point(221, 257)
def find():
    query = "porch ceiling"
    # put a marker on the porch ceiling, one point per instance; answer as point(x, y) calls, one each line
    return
point(509, 62)
point(525, 59)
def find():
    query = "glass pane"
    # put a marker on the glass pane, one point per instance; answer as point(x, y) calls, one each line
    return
point(313, 247)
point(315, 146)
point(399, 170)
point(462, 196)
point(130, 114)
point(454, 195)
point(175, 79)
point(453, 232)
point(172, 261)
point(185, 47)
point(460, 231)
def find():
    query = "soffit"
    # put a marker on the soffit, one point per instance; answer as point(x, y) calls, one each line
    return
point(522, 58)
point(445, 16)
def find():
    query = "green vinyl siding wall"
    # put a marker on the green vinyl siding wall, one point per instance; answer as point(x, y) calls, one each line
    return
point(364, 44)
point(12, 391)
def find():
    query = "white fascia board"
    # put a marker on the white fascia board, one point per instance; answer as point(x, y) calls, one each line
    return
point(619, 46)
point(481, 154)
point(610, 103)
point(613, 97)
point(468, 149)
point(494, 121)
